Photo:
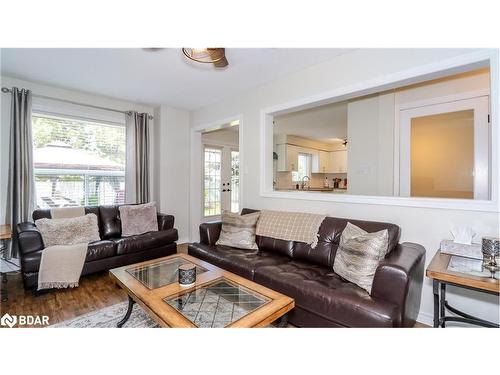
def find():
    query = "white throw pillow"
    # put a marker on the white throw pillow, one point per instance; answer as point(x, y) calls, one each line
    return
point(359, 255)
point(68, 231)
point(138, 219)
point(238, 230)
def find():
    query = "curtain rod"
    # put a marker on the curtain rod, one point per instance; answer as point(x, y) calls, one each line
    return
point(7, 90)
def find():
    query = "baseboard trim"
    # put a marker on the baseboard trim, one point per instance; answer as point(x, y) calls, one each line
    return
point(425, 318)
point(183, 241)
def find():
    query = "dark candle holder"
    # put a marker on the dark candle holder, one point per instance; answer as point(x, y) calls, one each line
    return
point(187, 274)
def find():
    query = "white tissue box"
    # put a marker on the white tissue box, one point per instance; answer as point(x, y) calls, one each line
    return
point(469, 251)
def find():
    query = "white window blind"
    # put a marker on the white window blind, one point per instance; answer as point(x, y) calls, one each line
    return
point(77, 162)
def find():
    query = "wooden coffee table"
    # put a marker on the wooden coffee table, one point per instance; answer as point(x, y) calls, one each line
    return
point(218, 298)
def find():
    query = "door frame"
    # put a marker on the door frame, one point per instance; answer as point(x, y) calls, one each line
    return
point(482, 157)
point(196, 173)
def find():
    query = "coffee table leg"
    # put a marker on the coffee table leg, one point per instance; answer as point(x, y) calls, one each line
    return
point(283, 321)
point(127, 314)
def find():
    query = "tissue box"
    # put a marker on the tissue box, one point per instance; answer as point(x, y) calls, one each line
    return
point(469, 251)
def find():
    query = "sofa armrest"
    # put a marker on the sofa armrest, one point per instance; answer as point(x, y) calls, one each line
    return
point(210, 232)
point(398, 279)
point(30, 238)
point(165, 221)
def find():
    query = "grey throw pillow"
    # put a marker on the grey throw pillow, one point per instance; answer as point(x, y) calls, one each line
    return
point(69, 231)
point(138, 219)
point(359, 255)
point(238, 230)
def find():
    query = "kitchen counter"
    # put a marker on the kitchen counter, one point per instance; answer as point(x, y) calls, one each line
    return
point(315, 190)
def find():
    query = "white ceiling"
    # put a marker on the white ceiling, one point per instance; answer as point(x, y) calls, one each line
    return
point(327, 123)
point(161, 77)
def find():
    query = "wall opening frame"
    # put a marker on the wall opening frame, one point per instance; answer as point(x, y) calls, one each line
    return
point(440, 69)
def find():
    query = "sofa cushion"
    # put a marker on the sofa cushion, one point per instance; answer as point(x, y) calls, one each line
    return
point(240, 262)
point(69, 231)
point(133, 244)
point(238, 230)
point(138, 219)
point(319, 290)
point(359, 255)
point(100, 250)
point(275, 245)
point(110, 222)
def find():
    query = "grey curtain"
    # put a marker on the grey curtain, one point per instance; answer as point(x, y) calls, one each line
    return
point(21, 182)
point(141, 156)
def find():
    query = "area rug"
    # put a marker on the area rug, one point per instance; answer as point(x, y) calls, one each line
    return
point(108, 317)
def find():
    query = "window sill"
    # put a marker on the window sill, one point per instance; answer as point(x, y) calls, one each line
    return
point(435, 203)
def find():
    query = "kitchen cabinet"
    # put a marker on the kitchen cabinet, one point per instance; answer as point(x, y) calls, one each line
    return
point(288, 156)
point(321, 162)
point(338, 162)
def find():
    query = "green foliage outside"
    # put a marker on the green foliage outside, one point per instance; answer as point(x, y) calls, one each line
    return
point(107, 141)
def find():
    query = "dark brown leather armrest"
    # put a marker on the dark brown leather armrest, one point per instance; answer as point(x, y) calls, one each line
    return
point(399, 279)
point(165, 221)
point(30, 238)
point(209, 232)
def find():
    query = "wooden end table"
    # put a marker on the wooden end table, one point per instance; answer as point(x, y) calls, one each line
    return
point(5, 235)
point(446, 269)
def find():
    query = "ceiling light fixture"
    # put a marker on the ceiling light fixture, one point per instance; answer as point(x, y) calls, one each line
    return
point(216, 56)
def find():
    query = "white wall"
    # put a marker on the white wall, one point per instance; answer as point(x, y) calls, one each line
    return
point(422, 225)
point(370, 136)
point(172, 166)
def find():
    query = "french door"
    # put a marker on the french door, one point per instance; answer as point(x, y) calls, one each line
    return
point(444, 150)
point(221, 179)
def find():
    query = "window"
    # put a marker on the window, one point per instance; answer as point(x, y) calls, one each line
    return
point(235, 181)
point(212, 182)
point(77, 162)
point(303, 167)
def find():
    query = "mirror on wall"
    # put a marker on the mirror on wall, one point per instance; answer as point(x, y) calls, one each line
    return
point(430, 140)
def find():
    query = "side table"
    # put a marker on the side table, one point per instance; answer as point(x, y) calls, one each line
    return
point(5, 235)
point(458, 274)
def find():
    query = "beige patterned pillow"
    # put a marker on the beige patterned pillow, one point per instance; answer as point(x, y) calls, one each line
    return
point(68, 231)
point(138, 219)
point(359, 254)
point(238, 230)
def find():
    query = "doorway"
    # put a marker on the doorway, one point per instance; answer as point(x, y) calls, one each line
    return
point(445, 150)
point(220, 172)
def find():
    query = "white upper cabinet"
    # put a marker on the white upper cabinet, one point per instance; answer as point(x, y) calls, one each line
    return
point(338, 162)
point(321, 162)
point(288, 156)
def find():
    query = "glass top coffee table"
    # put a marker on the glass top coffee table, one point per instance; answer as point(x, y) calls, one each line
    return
point(218, 298)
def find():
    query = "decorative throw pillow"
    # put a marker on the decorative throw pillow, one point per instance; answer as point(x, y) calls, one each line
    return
point(68, 231)
point(238, 230)
point(138, 219)
point(359, 254)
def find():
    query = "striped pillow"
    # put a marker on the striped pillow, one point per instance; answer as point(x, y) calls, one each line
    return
point(359, 254)
point(238, 230)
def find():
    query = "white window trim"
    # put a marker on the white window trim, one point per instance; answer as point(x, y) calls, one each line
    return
point(431, 71)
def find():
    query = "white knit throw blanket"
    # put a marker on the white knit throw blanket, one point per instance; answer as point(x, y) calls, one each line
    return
point(290, 226)
point(61, 265)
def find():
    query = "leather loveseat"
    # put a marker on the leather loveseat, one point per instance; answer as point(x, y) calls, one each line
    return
point(111, 251)
point(322, 298)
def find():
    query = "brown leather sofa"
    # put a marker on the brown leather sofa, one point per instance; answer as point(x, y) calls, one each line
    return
point(322, 298)
point(111, 251)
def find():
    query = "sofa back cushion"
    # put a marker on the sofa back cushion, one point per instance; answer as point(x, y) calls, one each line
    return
point(329, 237)
point(111, 225)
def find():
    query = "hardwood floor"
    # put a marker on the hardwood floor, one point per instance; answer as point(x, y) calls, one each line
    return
point(95, 292)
